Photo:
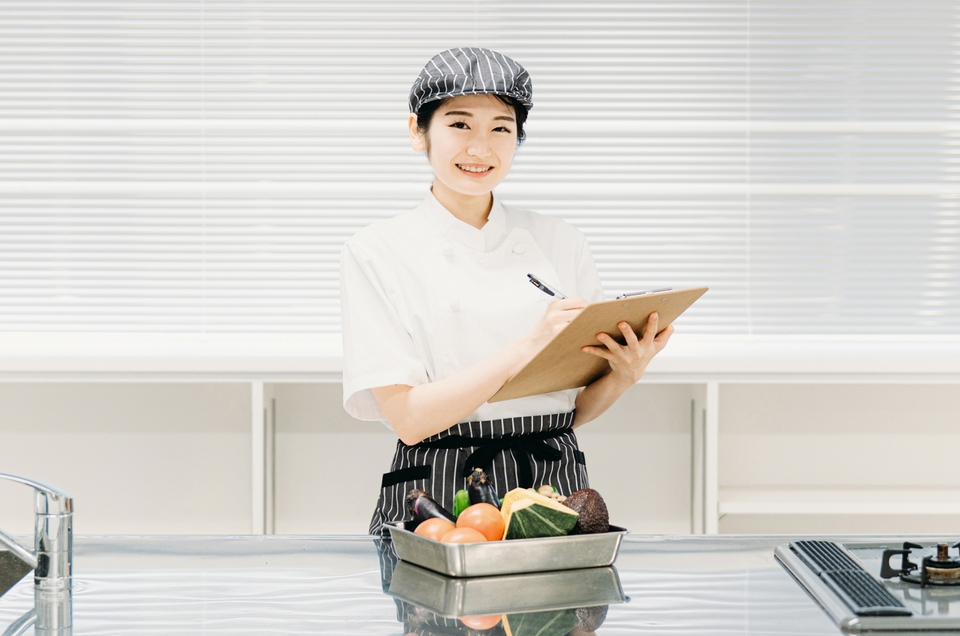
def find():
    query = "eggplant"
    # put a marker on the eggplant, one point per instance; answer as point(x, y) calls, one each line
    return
point(481, 490)
point(422, 507)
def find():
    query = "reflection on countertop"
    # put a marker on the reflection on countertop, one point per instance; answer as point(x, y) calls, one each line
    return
point(333, 585)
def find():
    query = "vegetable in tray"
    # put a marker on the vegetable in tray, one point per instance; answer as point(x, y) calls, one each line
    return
point(422, 506)
point(523, 513)
point(480, 489)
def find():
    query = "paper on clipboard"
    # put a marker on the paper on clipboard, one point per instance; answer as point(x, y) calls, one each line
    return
point(562, 365)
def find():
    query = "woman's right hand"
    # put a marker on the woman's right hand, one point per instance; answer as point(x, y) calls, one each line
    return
point(417, 412)
point(555, 319)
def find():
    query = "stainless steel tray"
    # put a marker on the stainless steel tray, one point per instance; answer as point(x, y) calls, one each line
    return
point(508, 557)
point(513, 593)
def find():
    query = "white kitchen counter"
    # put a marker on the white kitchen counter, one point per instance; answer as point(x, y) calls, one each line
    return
point(689, 358)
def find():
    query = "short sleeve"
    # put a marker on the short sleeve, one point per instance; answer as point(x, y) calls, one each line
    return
point(588, 279)
point(377, 349)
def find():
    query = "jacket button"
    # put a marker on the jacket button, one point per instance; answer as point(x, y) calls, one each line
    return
point(519, 248)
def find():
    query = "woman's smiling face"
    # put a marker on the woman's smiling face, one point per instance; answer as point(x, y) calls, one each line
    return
point(470, 143)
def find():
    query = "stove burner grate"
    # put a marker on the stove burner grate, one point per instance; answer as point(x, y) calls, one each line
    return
point(941, 570)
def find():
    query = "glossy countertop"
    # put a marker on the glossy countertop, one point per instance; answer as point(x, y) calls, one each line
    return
point(333, 585)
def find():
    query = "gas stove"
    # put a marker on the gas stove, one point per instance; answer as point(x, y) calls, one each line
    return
point(860, 586)
point(940, 570)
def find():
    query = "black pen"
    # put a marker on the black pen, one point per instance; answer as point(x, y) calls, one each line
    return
point(542, 286)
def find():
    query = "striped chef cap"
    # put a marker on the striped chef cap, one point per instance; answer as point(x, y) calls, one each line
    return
point(470, 71)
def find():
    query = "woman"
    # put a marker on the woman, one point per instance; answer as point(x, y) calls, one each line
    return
point(438, 312)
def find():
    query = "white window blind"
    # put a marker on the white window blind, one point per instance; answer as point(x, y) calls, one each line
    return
point(195, 166)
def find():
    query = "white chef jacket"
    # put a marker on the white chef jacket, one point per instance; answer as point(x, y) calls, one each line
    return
point(424, 295)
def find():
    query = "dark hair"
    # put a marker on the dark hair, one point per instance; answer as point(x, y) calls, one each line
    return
point(429, 109)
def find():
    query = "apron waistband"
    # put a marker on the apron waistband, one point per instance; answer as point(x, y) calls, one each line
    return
point(521, 446)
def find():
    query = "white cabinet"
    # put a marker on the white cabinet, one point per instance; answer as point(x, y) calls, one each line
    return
point(825, 434)
point(245, 433)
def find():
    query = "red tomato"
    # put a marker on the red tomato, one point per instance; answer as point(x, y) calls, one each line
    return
point(485, 519)
point(463, 535)
point(434, 528)
point(481, 622)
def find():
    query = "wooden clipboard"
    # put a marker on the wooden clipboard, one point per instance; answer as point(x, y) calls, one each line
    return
point(562, 365)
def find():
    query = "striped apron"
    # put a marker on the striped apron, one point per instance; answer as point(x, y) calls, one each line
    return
point(515, 452)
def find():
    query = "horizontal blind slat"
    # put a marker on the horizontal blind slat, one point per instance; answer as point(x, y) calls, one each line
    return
point(190, 166)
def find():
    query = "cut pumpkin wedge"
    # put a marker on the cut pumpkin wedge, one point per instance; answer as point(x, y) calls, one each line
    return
point(528, 515)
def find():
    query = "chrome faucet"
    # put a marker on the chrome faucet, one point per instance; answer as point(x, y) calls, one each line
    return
point(52, 556)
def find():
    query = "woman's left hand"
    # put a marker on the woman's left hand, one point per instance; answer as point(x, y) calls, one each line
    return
point(629, 361)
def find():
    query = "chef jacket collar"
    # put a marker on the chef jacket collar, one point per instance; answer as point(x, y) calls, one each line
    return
point(486, 239)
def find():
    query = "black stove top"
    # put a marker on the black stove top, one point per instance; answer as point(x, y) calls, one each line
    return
point(895, 586)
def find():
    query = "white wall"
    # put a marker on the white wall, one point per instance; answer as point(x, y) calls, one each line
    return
point(329, 465)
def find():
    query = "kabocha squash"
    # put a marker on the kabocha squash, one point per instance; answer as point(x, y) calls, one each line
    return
point(549, 623)
point(528, 515)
